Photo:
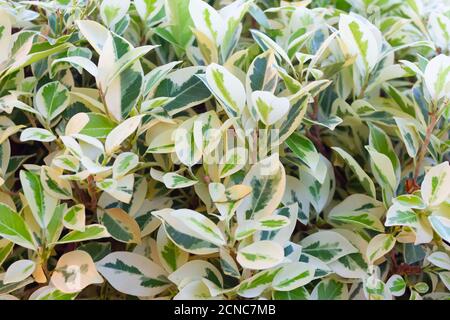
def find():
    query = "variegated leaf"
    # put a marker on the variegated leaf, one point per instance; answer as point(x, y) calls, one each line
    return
point(260, 255)
point(41, 203)
point(269, 108)
point(362, 176)
point(267, 179)
point(378, 246)
point(360, 211)
point(74, 271)
point(327, 246)
point(37, 134)
point(51, 99)
point(226, 88)
point(91, 232)
point(121, 226)
point(74, 218)
point(133, 274)
point(436, 184)
point(186, 89)
point(292, 276)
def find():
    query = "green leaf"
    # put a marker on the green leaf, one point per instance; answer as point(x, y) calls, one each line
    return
point(13, 228)
point(170, 255)
point(300, 293)
point(179, 23)
point(98, 126)
point(120, 81)
point(262, 73)
point(381, 142)
point(6, 247)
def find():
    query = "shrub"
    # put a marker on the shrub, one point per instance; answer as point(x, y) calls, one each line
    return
point(175, 149)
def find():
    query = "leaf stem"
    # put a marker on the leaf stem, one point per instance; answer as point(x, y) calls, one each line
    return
point(424, 147)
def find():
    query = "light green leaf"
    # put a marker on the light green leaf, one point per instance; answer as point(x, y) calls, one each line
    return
point(98, 125)
point(399, 215)
point(440, 259)
point(53, 184)
point(255, 285)
point(112, 11)
point(362, 39)
point(383, 171)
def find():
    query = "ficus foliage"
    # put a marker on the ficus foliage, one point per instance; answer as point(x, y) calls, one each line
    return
point(249, 149)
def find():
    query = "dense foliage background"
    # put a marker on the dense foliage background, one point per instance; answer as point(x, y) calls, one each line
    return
point(249, 149)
